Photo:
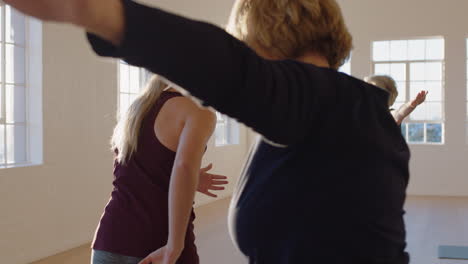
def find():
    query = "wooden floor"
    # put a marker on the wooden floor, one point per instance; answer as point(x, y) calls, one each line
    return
point(80, 255)
point(431, 221)
point(212, 240)
point(434, 221)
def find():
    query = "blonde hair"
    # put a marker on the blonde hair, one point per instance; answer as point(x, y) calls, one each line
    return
point(125, 137)
point(287, 29)
point(387, 83)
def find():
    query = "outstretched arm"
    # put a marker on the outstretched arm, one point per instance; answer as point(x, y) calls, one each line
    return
point(406, 109)
point(278, 99)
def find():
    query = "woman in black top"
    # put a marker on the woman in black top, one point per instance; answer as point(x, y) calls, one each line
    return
point(327, 182)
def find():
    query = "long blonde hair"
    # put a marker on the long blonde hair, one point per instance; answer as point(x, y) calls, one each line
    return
point(287, 29)
point(125, 137)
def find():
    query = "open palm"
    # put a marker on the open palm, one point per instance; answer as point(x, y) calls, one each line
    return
point(420, 98)
point(210, 182)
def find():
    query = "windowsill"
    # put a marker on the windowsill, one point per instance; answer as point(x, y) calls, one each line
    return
point(425, 144)
point(20, 165)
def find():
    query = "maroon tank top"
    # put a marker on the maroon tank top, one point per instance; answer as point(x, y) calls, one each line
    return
point(135, 221)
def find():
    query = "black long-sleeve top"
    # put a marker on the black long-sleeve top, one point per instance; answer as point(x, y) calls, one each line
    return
point(334, 191)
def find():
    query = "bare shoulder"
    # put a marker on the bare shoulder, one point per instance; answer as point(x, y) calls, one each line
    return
point(179, 106)
point(179, 102)
point(187, 108)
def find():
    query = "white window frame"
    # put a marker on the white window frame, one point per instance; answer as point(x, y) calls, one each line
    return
point(226, 132)
point(466, 78)
point(142, 79)
point(408, 63)
point(33, 145)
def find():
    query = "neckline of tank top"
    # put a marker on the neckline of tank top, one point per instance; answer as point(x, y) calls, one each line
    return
point(165, 91)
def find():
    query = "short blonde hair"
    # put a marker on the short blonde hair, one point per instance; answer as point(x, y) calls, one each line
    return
point(385, 82)
point(287, 29)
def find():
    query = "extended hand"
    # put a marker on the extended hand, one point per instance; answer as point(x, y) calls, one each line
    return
point(420, 98)
point(210, 181)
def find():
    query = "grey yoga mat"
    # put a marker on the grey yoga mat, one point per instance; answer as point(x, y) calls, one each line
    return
point(453, 252)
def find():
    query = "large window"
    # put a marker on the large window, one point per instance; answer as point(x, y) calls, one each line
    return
point(416, 65)
point(132, 79)
point(20, 95)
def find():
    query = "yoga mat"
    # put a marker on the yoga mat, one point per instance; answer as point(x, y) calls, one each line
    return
point(453, 252)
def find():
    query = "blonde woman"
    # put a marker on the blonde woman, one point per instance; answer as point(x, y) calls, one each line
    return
point(327, 182)
point(159, 145)
point(388, 83)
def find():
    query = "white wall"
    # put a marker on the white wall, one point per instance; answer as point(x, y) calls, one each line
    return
point(56, 206)
point(435, 170)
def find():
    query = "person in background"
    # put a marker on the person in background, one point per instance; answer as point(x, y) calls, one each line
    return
point(388, 84)
point(159, 144)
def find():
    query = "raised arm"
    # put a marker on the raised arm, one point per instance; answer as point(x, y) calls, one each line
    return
point(278, 99)
point(406, 109)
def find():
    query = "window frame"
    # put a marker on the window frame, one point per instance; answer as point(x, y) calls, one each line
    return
point(407, 87)
point(466, 90)
point(142, 79)
point(32, 85)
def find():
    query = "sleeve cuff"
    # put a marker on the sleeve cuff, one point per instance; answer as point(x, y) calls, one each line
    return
point(101, 46)
point(105, 48)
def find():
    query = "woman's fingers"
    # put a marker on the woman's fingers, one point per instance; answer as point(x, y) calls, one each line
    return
point(217, 177)
point(215, 188)
point(210, 194)
point(214, 182)
point(207, 168)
